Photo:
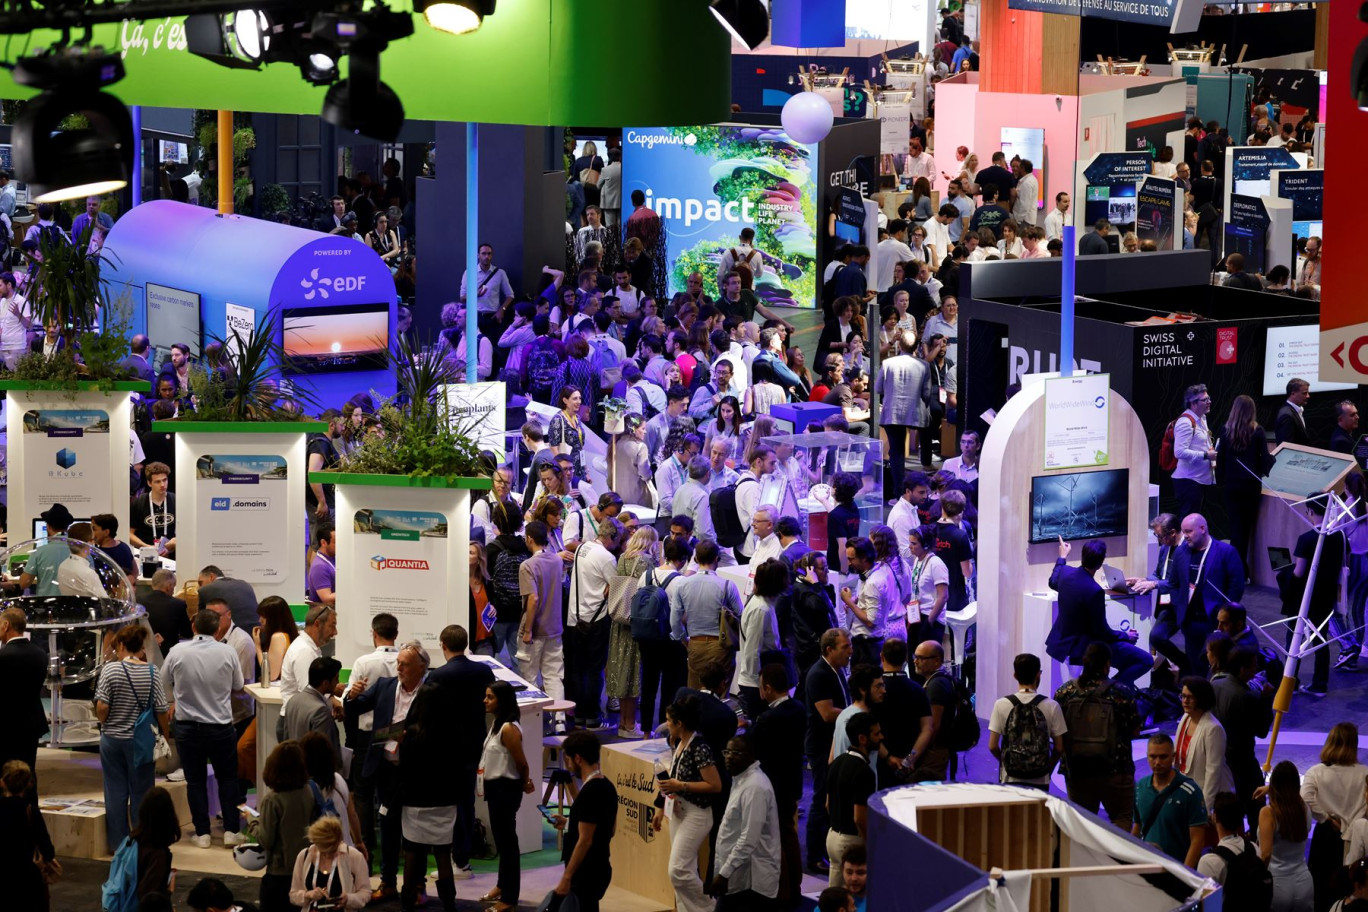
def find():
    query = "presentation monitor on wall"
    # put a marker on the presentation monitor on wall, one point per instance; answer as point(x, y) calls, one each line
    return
point(1294, 351)
point(1079, 505)
point(1027, 143)
point(339, 338)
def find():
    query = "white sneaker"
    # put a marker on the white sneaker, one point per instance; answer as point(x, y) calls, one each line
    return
point(201, 841)
point(234, 839)
point(462, 873)
point(176, 775)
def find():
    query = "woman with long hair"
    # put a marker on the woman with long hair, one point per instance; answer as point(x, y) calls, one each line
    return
point(691, 788)
point(321, 763)
point(1201, 740)
point(798, 364)
point(567, 306)
point(762, 427)
point(158, 829)
point(1242, 461)
point(277, 631)
point(1284, 824)
point(633, 462)
point(640, 554)
point(760, 626)
point(921, 199)
point(481, 634)
point(383, 240)
point(506, 779)
point(886, 551)
point(727, 424)
point(125, 689)
point(282, 823)
point(328, 873)
point(565, 434)
point(701, 347)
point(1334, 791)
point(763, 393)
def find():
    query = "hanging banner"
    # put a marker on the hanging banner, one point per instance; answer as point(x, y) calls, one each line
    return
point(1142, 12)
point(895, 122)
point(1076, 419)
point(66, 460)
point(1343, 320)
point(242, 521)
point(478, 410)
point(1158, 209)
point(1246, 232)
point(240, 320)
point(401, 558)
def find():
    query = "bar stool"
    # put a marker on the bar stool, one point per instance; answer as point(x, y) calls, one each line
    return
point(558, 778)
point(958, 623)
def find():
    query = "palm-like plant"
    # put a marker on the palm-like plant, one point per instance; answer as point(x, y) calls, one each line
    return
point(67, 286)
point(241, 378)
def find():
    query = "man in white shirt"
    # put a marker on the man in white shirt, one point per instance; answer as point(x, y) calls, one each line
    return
point(16, 318)
point(494, 293)
point(75, 575)
point(594, 567)
point(762, 463)
point(1058, 217)
point(244, 708)
point(320, 627)
point(903, 518)
point(1027, 195)
point(722, 474)
point(918, 163)
point(891, 250)
point(748, 844)
point(1227, 815)
point(382, 662)
point(938, 232)
point(767, 545)
point(629, 296)
point(1026, 670)
point(878, 610)
point(744, 252)
point(673, 472)
point(965, 466)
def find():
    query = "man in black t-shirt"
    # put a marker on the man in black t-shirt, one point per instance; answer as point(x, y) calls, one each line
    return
point(589, 830)
point(1324, 591)
point(905, 713)
point(152, 517)
point(953, 547)
point(998, 177)
point(827, 693)
point(318, 498)
point(939, 761)
point(850, 782)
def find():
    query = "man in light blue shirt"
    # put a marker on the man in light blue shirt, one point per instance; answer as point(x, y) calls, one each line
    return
point(691, 499)
point(673, 472)
point(696, 606)
point(41, 569)
point(955, 197)
point(92, 214)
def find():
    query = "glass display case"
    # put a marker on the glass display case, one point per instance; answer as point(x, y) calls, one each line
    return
point(808, 465)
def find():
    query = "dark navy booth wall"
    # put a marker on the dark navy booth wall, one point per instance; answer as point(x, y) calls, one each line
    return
point(252, 263)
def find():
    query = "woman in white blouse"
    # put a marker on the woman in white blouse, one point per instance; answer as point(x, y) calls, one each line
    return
point(930, 588)
point(1200, 744)
point(1334, 790)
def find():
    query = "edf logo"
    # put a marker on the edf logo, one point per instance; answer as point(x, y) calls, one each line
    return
point(218, 503)
point(66, 458)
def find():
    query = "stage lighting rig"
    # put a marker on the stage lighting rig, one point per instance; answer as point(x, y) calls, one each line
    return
point(456, 17)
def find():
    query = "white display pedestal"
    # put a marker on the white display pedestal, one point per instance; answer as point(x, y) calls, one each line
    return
point(240, 501)
point(67, 447)
point(530, 707)
point(403, 547)
point(1039, 610)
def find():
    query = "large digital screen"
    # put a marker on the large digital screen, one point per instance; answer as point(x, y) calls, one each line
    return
point(1114, 202)
point(1027, 143)
point(1294, 351)
point(1077, 505)
point(707, 183)
point(341, 338)
point(1250, 243)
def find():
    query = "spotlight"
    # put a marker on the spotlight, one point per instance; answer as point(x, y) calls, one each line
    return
point(239, 40)
point(251, 33)
point(362, 103)
point(454, 16)
point(68, 164)
point(319, 68)
point(746, 20)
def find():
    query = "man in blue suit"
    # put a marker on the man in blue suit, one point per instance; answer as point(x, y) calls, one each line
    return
point(1082, 618)
point(1216, 577)
point(772, 354)
point(1169, 583)
point(461, 684)
point(389, 699)
point(136, 363)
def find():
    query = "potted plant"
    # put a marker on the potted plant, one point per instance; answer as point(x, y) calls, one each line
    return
point(614, 415)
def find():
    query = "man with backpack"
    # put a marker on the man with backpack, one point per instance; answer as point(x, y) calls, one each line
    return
point(505, 556)
point(1026, 729)
point(662, 659)
point(948, 711)
point(1101, 720)
point(705, 399)
point(1234, 862)
point(733, 513)
point(696, 608)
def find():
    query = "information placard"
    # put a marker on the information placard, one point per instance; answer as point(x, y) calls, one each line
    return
point(1076, 421)
point(1301, 471)
point(479, 408)
point(1294, 351)
point(66, 459)
point(243, 497)
point(401, 558)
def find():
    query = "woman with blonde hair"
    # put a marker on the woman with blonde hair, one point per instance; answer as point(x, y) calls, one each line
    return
point(1333, 790)
point(329, 874)
point(1244, 460)
point(624, 656)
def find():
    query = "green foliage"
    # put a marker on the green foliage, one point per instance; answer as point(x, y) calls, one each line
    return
point(102, 351)
point(61, 368)
point(274, 199)
point(68, 287)
point(250, 389)
point(242, 193)
point(415, 436)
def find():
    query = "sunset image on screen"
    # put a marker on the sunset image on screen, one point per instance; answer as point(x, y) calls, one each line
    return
point(320, 340)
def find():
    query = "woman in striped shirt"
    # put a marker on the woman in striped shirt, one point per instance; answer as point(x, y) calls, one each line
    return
point(123, 693)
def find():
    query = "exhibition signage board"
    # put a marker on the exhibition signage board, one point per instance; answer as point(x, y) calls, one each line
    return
point(238, 323)
point(1076, 419)
point(1141, 12)
point(1343, 319)
point(894, 123)
point(240, 500)
point(478, 410)
point(67, 447)
point(1249, 169)
point(506, 84)
point(1107, 186)
point(707, 183)
point(402, 547)
point(1246, 232)
point(1305, 189)
point(1158, 212)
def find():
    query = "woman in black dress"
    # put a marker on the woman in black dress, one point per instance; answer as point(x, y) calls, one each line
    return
point(1242, 459)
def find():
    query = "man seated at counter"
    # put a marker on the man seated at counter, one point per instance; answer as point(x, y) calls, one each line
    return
point(1082, 618)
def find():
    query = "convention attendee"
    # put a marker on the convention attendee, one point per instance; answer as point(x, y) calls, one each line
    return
point(1291, 423)
point(285, 812)
point(690, 789)
point(1094, 243)
point(202, 675)
point(904, 390)
point(812, 611)
point(952, 544)
point(91, 216)
point(1194, 451)
point(1215, 578)
point(329, 873)
point(239, 595)
point(125, 690)
point(589, 829)
point(320, 587)
point(166, 613)
point(104, 528)
point(1244, 462)
point(152, 519)
point(1237, 277)
point(1345, 433)
point(1026, 729)
point(759, 628)
point(996, 174)
point(594, 567)
point(312, 708)
point(826, 695)
point(1058, 217)
point(939, 761)
point(850, 783)
point(505, 780)
point(989, 215)
point(748, 844)
point(320, 628)
point(965, 466)
point(1170, 812)
point(1331, 550)
point(1227, 819)
point(1334, 791)
point(75, 575)
point(1200, 745)
point(1082, 618)
point(777, 735)
point(696, 606)
point(1099, 767)
point(1283, 828)
point(1244, 708)
point(744, 253)
point(904, 712)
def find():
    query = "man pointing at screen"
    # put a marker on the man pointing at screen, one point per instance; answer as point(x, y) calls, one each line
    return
point(1082, 617)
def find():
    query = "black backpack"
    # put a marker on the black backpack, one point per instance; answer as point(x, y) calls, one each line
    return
point(1248, 882)
point(1092, 729)
point(965, 730)
point(726, 519)
point(503, 589)
point(650, 609)
point(1026, 741)
point(648, 411)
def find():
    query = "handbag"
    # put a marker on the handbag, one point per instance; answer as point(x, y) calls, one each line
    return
point(554, 903)
point(145, 733)
point(620, 592)
point(728, 629)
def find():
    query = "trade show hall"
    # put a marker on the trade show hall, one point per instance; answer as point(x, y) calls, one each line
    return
point(909, 463)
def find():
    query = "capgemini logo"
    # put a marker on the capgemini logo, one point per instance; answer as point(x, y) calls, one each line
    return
point(323, 285)
point(66, 458)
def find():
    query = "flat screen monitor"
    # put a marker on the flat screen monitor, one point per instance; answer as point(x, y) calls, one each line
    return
point(335, 338)
point(1114, 202)
point(178, 153)
point(1027, 143)
point(1078, 505)
point(40, 531)
point(1249, 242)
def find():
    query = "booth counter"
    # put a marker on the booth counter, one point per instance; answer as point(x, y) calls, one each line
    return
point(641, 856)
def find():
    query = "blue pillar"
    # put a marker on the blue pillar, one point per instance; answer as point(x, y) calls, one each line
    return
point(472, 201)
point(1066, 308)
point(136, 111)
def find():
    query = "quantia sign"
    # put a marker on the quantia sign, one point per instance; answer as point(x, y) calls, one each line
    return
point(397, 563)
